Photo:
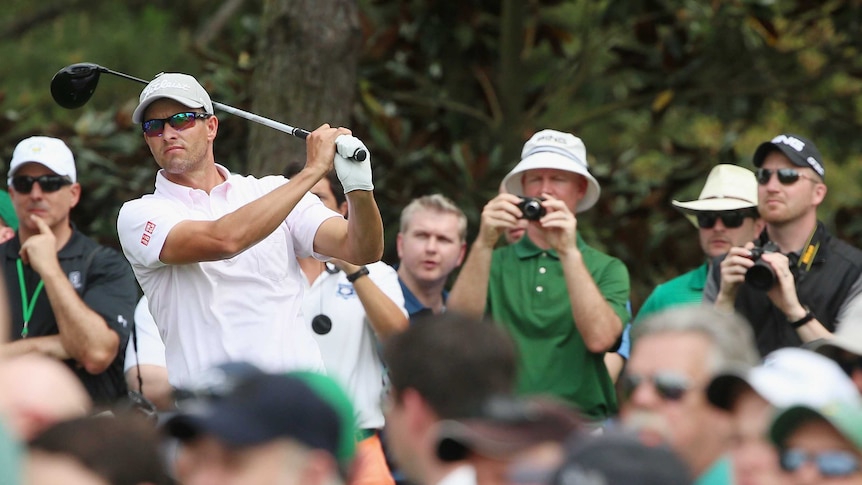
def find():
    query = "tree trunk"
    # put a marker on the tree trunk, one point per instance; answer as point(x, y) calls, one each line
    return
point(305, 75)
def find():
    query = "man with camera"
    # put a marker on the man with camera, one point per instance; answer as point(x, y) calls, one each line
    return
point(563, 302)
point(797, 282)
point(725, 215)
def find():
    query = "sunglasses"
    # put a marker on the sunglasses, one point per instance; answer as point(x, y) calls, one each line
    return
point(179, 122)
point(829, 463)
point(23, 184)
point(730, 219)
point(787, 176)
point(670, 386)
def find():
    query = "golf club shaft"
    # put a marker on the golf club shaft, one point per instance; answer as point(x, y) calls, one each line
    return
point(290, 130)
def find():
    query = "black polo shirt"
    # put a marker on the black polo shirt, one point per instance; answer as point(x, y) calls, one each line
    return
point(105, 282)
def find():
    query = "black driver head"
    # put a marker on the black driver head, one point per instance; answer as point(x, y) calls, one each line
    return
point(73, 85)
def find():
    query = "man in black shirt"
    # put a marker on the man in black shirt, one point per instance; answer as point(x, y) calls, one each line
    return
point(813, 280)
point(69, 297)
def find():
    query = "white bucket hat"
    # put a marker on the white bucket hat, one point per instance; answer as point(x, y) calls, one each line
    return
point(182, 88)
point(847, 337)
point(554, 150)
point(728, 187)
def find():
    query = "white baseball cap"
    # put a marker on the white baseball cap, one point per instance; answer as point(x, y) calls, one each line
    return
point(555, 150)
point(44, 150)
point(182, 88)
point(786, 377)
point(728, 187)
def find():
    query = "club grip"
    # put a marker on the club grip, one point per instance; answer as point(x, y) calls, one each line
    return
point(358, 154)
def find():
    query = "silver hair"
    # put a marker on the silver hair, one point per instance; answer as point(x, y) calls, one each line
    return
point(436, 203)
point(730, 334)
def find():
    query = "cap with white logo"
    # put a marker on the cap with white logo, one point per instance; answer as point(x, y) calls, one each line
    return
point(182, 88)
point(802, 152)
point(44, 150)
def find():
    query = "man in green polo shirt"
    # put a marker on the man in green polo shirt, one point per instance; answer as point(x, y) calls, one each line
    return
point(563, 302)
point(726, 216)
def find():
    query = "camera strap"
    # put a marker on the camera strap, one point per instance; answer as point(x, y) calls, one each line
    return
point(809, 252)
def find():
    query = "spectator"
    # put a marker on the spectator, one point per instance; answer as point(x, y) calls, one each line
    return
point(563, 302)
point(290, 429)
point(121, 450)
point(505, 436)
point(45, 392)
point(351, 309)
point(74, 298)
point(215, 252)
point(444, 369)
point(431, 244)
point(8, 219)
point(820, 445)
point(845, 348)
point(145, 367)
point(674, 356)
point(815, 279)
point(620, 459)
point(725, 214)
point(786, 377)
point(614, 361)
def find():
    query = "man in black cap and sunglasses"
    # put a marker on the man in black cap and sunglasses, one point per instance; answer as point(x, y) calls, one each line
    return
point(814, 282)
point(70, 298)
point(725, 214)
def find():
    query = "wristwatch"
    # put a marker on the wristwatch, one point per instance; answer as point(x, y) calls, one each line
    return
point(358, 274)
point(809, 315)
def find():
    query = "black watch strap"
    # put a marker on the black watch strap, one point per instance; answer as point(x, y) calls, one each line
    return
point(809, 315)
point(358, 274)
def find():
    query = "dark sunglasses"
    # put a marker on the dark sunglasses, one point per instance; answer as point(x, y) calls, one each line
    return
point(671, 387)
point(730, 219)
point(787, 176)
point(23, 184)
point(179, 122)
point(829, 463)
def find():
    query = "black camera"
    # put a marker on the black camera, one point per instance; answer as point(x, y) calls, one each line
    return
point(761, 276)
point(531, 208)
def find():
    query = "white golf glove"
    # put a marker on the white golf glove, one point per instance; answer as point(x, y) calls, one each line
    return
point(354, 175)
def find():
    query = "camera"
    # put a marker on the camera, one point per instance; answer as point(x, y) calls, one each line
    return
point(761, 276)
point(531, 208)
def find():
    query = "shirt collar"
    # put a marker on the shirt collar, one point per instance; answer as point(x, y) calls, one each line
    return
point(526, 248)
point(183, 192)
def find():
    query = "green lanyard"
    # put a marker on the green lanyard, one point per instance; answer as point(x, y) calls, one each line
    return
point(27, 306)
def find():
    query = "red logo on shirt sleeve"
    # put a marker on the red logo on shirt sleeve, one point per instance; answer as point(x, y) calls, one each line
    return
point(145, 239)
point(150, 227)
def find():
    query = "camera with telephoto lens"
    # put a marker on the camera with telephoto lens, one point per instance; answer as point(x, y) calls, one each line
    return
point(531, 208)
point(761, 276)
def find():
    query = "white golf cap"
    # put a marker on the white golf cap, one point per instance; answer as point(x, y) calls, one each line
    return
point(182, 88)
point(847, 337)
point(44, 150)
point(786, 377)
point(728, 187)
point(554, 150)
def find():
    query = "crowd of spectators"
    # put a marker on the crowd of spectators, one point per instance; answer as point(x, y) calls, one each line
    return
point(249, 332)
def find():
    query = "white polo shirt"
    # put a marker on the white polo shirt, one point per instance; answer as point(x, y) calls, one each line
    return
point(350, 348)
point(245, 308)
point(151, 350)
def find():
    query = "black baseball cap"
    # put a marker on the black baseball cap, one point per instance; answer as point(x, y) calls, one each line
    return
point(801, 151)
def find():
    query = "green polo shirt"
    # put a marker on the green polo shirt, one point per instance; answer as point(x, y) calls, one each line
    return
point(685, 289)
point(527, 295)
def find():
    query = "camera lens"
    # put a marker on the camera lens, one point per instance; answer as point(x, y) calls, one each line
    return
point(760, 276)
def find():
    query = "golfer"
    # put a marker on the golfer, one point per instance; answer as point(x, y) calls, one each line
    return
point(215, 252)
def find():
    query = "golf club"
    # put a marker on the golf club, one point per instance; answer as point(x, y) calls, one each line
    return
point(75, 84)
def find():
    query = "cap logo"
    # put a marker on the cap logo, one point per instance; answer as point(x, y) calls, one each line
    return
point(553, 149)
point(790, 141)
point(163, 84)
point(816, 165)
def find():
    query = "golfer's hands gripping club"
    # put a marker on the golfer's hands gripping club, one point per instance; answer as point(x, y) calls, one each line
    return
point(353, 171)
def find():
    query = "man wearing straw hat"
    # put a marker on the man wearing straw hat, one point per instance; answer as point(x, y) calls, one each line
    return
point(725, 214)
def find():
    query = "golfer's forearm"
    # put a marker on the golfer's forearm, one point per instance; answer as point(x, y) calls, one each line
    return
point(364, 228)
